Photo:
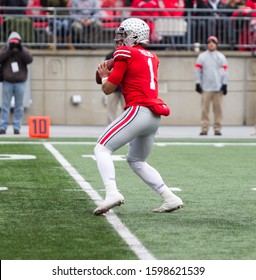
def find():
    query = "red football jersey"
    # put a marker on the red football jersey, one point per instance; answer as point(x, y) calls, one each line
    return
point(136, 69)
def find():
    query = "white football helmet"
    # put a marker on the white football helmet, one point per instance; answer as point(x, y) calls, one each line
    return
point(133, 31)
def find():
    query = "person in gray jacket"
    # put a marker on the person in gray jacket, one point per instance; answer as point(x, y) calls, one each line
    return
point(211, 82)
point(86, 25)
point(14, 59)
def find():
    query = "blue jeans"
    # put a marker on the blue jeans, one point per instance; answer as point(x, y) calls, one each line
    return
point(63, 26)
point(9, 90)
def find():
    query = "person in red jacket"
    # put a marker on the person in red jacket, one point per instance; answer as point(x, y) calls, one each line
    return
point(251, 5)
point(148, 16)
point(247, 30)
point(173, 4)
point(234, 25)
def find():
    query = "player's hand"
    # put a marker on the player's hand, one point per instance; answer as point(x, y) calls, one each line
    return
point(103, 69)
point(86, 22)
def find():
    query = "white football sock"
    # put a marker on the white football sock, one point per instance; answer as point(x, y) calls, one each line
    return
point(166, 193)
point(149, 175)
point(106, 167)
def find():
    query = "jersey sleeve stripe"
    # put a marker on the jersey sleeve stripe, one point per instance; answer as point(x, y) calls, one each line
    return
point(131, 113)
point(125, 51)
point(122, 55)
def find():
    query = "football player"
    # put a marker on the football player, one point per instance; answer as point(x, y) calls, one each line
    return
point(136, 70)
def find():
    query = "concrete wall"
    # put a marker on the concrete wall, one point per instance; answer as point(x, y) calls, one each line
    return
point(58, 75)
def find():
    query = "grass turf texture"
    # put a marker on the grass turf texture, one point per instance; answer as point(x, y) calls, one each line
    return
point(46, 216)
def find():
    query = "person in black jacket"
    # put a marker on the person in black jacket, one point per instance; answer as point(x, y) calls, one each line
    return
point(23, 25)
point(206, 23)
point(14, 59)
point(197, 23)
point(14, 3)
point(217, 24)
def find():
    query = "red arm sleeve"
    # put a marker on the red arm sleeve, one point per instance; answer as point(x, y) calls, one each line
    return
point(117, 73)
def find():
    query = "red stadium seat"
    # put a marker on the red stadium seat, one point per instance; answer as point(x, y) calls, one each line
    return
point(38, 15)
point(111, 19)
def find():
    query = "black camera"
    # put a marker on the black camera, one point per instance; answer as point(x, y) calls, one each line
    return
point(15, 44)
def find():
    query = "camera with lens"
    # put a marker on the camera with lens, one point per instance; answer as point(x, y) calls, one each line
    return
point(15, 44)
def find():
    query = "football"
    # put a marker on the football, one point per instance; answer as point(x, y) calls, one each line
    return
point(110, 65)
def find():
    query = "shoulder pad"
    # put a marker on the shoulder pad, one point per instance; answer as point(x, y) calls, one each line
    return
point(122, 53)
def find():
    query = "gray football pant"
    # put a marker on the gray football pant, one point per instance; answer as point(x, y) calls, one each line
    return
point(136, 126)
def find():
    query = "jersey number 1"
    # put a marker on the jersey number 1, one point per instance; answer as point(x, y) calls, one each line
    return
point(152, 77)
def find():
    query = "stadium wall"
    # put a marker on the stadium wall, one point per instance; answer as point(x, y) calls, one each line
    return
point(58, 75)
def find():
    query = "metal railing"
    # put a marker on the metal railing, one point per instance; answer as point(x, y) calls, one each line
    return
point(44, 28)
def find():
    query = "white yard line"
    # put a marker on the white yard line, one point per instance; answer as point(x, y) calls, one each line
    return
point(135, 245)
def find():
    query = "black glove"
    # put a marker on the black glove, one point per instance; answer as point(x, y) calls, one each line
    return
point(224, 89)
point(198, 88)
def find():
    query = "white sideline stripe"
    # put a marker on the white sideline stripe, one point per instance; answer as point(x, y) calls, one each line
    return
point(135, 245)
point(163, 144)
point(40, 143)
point(159, 144)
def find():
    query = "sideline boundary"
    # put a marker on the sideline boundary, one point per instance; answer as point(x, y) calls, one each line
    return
point(159, 144)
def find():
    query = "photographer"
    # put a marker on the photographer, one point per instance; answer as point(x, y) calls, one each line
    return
point(14, 59)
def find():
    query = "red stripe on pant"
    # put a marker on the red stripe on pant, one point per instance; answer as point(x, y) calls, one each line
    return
point(130, 115)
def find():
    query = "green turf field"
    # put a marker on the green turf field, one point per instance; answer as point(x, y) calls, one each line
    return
point(45, 214)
